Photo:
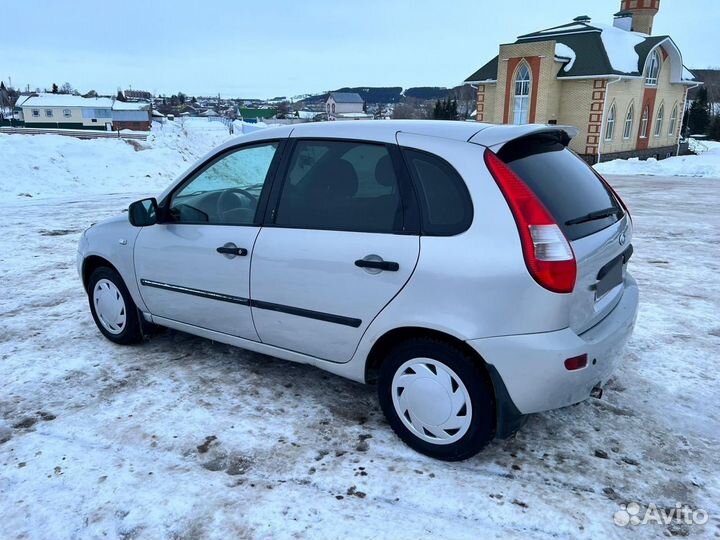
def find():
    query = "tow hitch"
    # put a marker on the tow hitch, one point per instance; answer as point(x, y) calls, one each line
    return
point(597, 391)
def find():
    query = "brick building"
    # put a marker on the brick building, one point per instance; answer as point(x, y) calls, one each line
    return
point(623, 88)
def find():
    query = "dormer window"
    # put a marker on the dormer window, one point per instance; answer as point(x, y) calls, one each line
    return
point(653, 68)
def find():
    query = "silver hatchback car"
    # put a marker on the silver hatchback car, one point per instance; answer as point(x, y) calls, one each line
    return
point(476, 273)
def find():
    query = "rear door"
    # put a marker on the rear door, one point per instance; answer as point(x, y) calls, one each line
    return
point(589, 214)
point(339, 243)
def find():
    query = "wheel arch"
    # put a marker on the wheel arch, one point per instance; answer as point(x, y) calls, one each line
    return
point(397, 335)
point(92, 263)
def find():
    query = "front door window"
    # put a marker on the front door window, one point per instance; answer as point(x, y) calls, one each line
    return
point(227, 191)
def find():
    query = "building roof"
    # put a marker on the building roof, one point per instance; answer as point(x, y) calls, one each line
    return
point(486, 73)
point(65, 100)
point(597, 50)
point(130, 106)
point(346, 97)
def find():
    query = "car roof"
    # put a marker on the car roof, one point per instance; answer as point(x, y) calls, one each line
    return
point(387, 130)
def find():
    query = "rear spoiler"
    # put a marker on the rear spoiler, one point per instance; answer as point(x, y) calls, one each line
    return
point(494, 136)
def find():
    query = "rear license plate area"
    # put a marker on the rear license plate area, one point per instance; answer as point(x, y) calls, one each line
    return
point(609, 277)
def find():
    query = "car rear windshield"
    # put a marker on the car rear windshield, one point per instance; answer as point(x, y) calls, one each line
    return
point(578, 200)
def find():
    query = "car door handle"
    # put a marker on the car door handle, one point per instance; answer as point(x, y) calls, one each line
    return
point(232, 250)
point(388, 266)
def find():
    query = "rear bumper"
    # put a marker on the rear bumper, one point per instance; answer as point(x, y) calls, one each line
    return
point(532, 368)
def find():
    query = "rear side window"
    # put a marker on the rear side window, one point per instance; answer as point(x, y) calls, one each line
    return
point(444, 198)
point(566, 185)
point(341, 186)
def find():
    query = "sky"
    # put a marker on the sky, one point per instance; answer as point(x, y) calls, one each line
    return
point(274, 48)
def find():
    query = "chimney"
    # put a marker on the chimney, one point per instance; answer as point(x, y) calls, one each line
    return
point(623, 20)
point(642, 12)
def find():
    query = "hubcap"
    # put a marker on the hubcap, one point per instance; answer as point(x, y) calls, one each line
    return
point(431, 401)
point(109, 306)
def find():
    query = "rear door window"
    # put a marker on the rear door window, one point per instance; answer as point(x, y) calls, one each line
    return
point(444, 199)
point(341, 186)
point(566, 185)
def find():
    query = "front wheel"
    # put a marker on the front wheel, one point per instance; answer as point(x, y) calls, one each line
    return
point(438, 399)
point(113, 308)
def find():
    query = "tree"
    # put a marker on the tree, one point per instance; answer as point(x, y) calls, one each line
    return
point(91, 94)
point(283, 109)
point(714, 129)
point(699, 115)
point(54, 88)
point(181, 98)
point(66, 88)
point(193, 100)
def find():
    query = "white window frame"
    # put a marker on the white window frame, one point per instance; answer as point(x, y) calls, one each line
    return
point(35, 113)
point(67, 113)
point(48, 113)
point(673, 120)
point(610, 124)
point(644, 119)
point(659, 120)
point(522, 88)
point(629, 120)
point(653, 70)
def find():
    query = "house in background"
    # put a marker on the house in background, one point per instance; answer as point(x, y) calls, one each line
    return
point(131, 115)
point(66, 111)
point(624, 89)
point(137, 95)
point(346, 106)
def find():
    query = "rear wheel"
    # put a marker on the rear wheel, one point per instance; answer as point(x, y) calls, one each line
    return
point(437, 398)
point(113, 308)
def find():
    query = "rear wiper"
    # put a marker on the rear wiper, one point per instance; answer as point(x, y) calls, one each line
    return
point(597, 214)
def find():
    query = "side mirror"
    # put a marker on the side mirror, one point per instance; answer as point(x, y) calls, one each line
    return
point(143, 213)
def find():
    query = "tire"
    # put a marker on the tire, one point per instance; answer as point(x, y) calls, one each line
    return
point(438, 399)
point(112, 307)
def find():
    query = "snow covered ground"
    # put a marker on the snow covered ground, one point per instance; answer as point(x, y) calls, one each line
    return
point(706, 164)
point(185, 438)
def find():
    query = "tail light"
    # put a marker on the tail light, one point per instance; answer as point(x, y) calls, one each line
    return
point(548, 255)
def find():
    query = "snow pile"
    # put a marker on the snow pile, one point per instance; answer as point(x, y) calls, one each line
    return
point(563, 52)
point(620, 47)
point(56, 165)
point(706, 165)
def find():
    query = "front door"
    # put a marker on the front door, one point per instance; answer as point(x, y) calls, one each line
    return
point(195, 268)
point(338, 248)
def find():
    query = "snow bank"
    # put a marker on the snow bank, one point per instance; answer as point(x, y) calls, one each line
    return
point(562, 51)
point(55, 165)
point(705, 165)
point(620, 47)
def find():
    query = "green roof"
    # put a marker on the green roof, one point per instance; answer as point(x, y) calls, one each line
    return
point(257, 113)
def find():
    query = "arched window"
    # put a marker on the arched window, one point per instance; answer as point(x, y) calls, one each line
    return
point(627, 130)
point(673, 120)
point(521, 105)
point(653, 68)
point(659, 120)
point(644, 122)
point(333, 108)
point(610, 124)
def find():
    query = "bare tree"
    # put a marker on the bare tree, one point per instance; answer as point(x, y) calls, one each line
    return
point(66, 88)
point(412, 109)
point(283, 109)
point(466, 97)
